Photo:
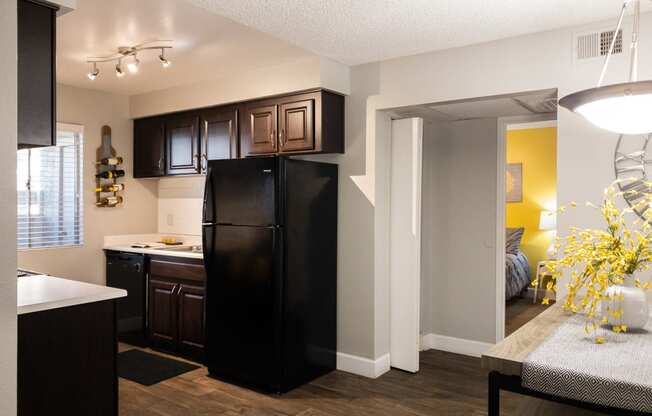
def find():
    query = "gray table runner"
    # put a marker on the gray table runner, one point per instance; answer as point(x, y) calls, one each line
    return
point(570, 364)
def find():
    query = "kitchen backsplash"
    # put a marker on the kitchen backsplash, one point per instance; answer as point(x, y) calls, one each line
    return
point(180, 205)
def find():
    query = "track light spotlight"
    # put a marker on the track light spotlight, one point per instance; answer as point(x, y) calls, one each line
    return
point(133, 65)
point(118, 69)
point(94, 72)
point(164, 61)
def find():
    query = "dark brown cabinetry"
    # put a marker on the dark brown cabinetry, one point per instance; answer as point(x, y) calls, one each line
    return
point(219, 134)
point(259, 130)
point(297, 123)
point(36, 74)
point(311, 122)
point(149, 147)
point(182, 145)
point(176, 305)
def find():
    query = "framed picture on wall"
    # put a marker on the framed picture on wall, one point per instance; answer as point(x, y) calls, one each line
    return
point(514, 182)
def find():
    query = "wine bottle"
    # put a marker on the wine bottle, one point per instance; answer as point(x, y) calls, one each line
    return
point(109, 201)
point(110, 174)
point(114, 187)
point(110, 161)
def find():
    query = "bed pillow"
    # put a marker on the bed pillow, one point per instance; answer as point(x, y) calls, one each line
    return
point(513, 240)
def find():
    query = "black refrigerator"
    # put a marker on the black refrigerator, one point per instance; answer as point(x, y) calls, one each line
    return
point(270, 252)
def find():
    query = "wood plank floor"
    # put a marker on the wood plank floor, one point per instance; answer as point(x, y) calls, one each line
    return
point(448, 384)
point(519, 311)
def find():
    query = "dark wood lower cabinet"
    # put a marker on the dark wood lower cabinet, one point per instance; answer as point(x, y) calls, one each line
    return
point(176, 306)
point(163, 313)
point(191, 319)
point(67, 361)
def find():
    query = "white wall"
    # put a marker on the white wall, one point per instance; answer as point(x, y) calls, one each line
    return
point(8, 207)
point(304, 73)
point(527, 63)
point(180, 205)
point(459, 228)
point(138, 214)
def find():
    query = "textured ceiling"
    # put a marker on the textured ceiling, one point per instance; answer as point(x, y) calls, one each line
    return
point(360, 31)
point(206, 45)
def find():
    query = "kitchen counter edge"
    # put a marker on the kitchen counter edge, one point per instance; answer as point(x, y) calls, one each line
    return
point(154, 252)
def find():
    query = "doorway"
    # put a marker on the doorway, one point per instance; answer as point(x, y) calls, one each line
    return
point(459, 305)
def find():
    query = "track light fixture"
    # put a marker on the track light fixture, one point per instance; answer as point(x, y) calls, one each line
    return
point(94, 72)
point(130, 52)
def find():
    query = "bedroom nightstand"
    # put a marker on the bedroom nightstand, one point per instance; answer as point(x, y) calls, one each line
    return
point(541, 274)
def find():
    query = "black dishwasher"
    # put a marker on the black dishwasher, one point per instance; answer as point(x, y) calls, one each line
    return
point(127, 271)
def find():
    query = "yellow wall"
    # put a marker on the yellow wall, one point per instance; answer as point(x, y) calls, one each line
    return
point(536, 149)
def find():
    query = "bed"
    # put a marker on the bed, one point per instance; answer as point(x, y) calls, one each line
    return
point(517, 267)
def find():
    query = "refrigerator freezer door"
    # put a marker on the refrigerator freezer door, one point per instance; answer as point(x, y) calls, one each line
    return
point(244, 191)
point(243, 306)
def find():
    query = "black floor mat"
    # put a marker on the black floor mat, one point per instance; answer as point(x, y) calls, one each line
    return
point(148, 369)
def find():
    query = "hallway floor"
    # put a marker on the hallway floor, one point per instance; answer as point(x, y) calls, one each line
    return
point(519, 311)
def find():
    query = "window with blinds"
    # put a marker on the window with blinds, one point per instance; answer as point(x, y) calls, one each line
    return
point(50, 210)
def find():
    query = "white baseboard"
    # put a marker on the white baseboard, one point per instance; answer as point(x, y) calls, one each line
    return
point(363, 366)
point(455, 345)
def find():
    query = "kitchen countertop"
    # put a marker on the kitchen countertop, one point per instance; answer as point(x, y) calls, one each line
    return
point(40, 293)
point(152, 251)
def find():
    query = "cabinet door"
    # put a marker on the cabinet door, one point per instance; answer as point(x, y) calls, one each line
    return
point(182, 145)
point(297, 132)
point(219, 135)
point(149, 148)
point(259, 131)
point(36, 74)
point(191, 320)
point(162, 303)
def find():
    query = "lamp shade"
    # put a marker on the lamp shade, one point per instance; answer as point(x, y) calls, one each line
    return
point(620, 108)
point(548, 220)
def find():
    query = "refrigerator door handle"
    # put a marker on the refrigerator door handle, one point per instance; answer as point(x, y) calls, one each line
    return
point(208, 199)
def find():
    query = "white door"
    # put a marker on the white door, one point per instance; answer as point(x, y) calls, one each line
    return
point(405, 242)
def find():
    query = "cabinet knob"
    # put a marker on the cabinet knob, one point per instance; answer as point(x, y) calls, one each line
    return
point(281, 138)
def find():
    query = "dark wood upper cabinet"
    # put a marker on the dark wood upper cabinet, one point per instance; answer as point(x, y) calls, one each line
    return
point(36, 74)
point(182, 143)
point(219, 135)
point(300, 123)
point(259, 130)
point(149, 147)
point(296, 123)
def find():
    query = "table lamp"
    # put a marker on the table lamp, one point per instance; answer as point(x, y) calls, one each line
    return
point(548, 222)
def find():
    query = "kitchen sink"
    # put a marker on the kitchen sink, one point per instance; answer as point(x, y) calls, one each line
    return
point(187, 249)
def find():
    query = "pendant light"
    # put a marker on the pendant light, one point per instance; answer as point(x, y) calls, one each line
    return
point(620, 108)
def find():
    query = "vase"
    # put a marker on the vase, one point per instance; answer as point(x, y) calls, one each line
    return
point(633, 302)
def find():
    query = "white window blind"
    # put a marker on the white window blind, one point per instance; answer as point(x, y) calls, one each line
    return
point(50, 206)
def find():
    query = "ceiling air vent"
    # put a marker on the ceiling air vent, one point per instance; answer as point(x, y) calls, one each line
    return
point(596, 44)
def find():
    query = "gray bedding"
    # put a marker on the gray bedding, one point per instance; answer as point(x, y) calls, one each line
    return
point(517, 274)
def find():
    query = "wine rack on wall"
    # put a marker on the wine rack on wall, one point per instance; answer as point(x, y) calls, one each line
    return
point(108, 171)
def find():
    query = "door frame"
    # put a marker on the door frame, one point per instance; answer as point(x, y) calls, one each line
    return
point(416, 226)
point(501, 206)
